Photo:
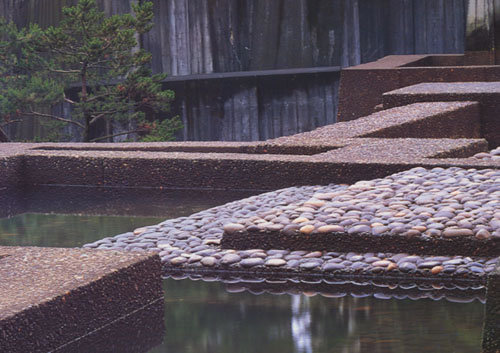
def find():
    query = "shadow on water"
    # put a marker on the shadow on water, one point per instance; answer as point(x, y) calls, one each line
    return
point(202, 316)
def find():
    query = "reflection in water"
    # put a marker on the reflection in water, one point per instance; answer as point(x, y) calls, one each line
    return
point(204, 317)
point(301, 324)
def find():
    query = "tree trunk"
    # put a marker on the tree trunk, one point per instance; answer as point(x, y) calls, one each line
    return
point(86, 117)
point(3, 136)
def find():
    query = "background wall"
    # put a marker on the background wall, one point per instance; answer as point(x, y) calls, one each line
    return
point(194, 37)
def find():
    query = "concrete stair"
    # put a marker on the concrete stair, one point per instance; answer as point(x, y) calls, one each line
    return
point(486, 93)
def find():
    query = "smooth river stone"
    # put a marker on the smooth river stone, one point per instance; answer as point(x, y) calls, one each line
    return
point(309, 265)
point(457, 232)
point(178, 260)
point(361, 228)
point(208, 261)
point(330, 266)
point(232, 228)
point(381, 263)
point(308, 229)
point(251, 262)
point(407, 267)
point(429, 264)
point(436, 269)
point(330, 229)
point(483, 234)
point(229, 259)
point(275, 262)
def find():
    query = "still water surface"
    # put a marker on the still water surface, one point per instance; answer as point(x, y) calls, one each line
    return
point(203, 317)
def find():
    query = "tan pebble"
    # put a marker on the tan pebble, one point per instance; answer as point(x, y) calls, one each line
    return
point(194, 258)
point(308, 229)
point(330, 229)
point(392, 266)
point(454, 193)
point(232, 228)
point(420, 228)
point(457, 232)
point(376, 224)
point(400, 214)
point(483, 234)
point(305, 209)
point(436, 269)
point(211, 242)
point(139, 231)
point(381, 263)
point(314, 203)
point(275, 262)
point(325, 196)
point(300, 220)
point(178, 260)
point(313, 254)
point(413, 233)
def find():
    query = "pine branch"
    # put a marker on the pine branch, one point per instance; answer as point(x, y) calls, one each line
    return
point(54, 117)
point(11, 122)
point(119, 134)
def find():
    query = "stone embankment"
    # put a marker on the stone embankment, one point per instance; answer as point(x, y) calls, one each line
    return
point(448, 204)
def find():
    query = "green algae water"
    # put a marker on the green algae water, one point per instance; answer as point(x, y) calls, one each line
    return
point(202, 316)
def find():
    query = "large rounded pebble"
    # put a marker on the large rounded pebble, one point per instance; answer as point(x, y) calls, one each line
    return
point(457, 232)
point(331, 229)
point(429, 264)
point(307, 229)
point(330, 266)
point(232, 228)
point(208, 261)
point(178, 260)
point(275, 262)
point(436, 269)
point(483, 234)
point(139, 231)
point(308, 265)
point(252, 262)
point(313, 254)
point(381, 263)
point(362, 228)
point(407, 267)
point(229, 259)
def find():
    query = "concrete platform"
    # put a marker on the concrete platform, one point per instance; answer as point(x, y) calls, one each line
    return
point(486, 93)
point(362, 86)
point(52, 296)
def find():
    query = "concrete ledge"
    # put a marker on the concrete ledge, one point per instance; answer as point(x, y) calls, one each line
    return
point(491, 331)
point(138, 332)
point(53, 296)
point(420, 120)
point(486, 93)
point(343, 242)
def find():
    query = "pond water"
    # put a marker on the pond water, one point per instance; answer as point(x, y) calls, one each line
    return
point(211, 316)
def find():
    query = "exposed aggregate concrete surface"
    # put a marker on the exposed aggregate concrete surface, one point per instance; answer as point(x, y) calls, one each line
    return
point(440, 202)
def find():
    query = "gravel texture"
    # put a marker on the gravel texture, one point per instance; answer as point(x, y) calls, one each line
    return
point(426, 203)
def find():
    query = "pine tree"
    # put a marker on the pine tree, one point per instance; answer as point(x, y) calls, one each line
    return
point(97, 56)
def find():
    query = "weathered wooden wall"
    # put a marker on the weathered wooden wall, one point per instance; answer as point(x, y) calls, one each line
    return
point(256, 106)
point(215, 36)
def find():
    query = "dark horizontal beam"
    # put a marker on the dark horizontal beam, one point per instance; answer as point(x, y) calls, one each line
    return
point(260, 73)
point(242, 74)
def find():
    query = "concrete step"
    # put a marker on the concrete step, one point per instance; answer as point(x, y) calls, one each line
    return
point(419, 120)
point(486, 93)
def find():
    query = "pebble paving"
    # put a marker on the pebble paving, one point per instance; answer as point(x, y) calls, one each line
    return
point(440, 202)
point(493, 155)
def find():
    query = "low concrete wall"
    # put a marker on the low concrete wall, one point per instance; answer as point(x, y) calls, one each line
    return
point(51, 296)
point(491, 331)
